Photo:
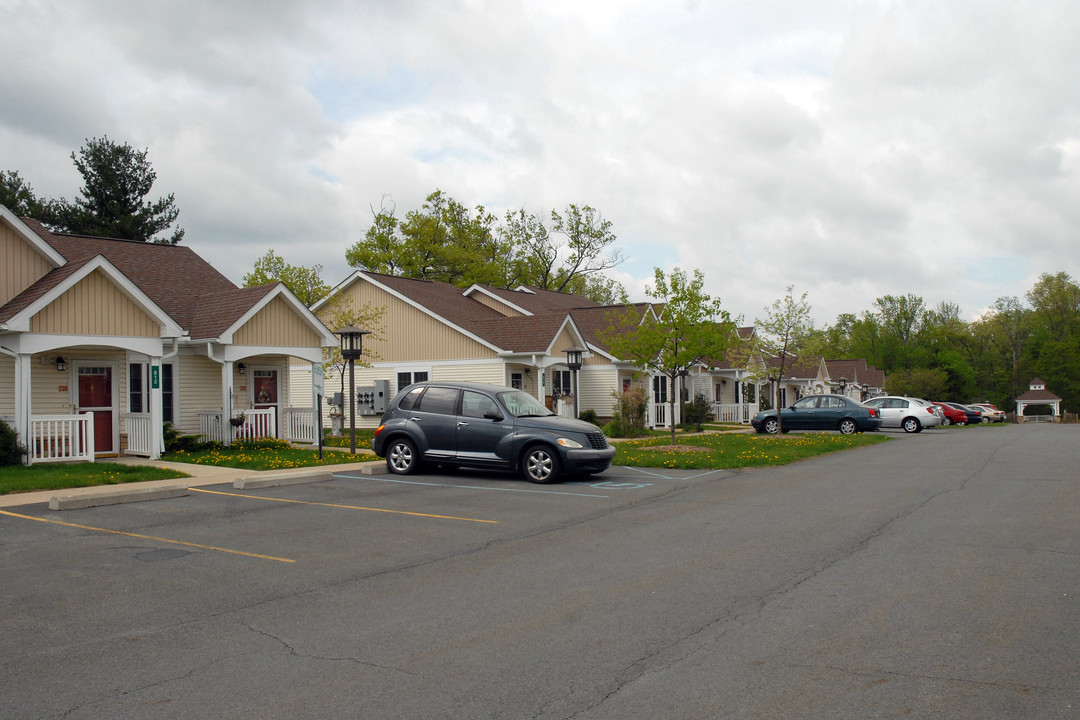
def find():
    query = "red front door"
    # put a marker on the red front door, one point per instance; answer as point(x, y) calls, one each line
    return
point(96, 396)
point(265, 391)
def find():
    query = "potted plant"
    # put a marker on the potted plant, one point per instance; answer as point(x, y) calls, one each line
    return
point(237, 419)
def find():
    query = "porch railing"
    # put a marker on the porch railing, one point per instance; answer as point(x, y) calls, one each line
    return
point(139, 440)
point(300, 424)
point(60, 438)
point(214, 425)
point(733, 412)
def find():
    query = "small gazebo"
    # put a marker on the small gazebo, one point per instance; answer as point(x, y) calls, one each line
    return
point(1037, 394)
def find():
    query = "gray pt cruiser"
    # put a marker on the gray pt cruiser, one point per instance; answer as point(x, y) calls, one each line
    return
point(486, 426)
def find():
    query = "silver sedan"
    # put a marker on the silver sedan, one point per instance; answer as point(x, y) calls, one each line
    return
point(910, 414)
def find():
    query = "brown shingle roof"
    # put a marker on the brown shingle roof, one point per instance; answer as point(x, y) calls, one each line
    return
point(194, 294)
point(527, 333)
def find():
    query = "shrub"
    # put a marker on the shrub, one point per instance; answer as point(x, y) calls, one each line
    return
point(175, 442)
point(631, 409)
point(11, 451)
point(589, 416)
point(696, 413)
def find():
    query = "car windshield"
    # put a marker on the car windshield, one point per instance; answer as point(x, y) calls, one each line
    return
point(521, 404)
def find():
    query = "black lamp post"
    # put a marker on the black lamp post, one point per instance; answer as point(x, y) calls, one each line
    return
point(573, 361)
point(352, 339)
point(843, 386)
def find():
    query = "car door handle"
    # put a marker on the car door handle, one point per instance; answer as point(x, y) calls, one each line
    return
point(462, 423)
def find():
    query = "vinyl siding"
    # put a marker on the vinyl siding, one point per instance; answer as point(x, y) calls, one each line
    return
point(7, 385)
point(596, 384)
point(417, 337)
point(198, 387)
point(494, 304)
point(277, 324)
point(20, 264)
point(95, 306)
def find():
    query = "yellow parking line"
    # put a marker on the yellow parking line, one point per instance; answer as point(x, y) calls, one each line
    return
point(146, 537)
point(346, 507)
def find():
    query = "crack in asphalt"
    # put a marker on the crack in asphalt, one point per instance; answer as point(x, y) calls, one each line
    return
point(722, 624)
point(332, 658)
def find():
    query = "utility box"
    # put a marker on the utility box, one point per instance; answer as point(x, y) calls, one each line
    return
point(373, 399)
point(382, 396)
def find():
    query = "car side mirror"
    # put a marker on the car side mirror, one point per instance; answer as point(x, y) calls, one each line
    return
point(493, 415)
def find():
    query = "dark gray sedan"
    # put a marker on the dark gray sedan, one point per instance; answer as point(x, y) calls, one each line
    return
point(820, 412)
point(486, 426)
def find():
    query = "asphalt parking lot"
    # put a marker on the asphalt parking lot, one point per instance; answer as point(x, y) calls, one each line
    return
point(844, 586)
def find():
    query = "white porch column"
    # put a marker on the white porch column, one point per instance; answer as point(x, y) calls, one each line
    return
point(23, 402)
point(157, 437)
point(227, 398)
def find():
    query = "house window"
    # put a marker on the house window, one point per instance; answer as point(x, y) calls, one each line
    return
point(516, 381)
point(560, 382)
point(404, 379)
point(168, 398)
point(659, 388)
point(139, 390)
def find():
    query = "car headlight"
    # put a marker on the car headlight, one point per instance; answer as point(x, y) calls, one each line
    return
point(568, 443)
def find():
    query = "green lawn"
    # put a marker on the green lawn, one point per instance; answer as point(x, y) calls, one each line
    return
point(52, 476)
point(268, 454)
point(735, 450)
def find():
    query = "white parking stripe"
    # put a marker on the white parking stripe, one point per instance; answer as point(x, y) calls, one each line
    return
point(466, 487)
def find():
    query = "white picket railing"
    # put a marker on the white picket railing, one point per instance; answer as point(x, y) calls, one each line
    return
point(139, 437)
point(61, 438)
point(733, 412)
point(213, 425)
point(300, 424)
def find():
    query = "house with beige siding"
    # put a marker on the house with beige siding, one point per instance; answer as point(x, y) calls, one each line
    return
point(514, 337)
point(104, 341)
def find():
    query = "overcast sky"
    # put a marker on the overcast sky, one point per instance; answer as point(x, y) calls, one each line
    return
point(851, 148)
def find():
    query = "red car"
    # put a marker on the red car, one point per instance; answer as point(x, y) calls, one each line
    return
point(953, 416)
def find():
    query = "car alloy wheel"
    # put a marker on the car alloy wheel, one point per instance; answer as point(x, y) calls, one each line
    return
point(911, 425)
point(847, 427)
point(401, 457)
point(771, 426)
point(540, 465)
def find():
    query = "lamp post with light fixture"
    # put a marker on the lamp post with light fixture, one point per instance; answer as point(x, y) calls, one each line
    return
point(573, 361)
point(352, 339)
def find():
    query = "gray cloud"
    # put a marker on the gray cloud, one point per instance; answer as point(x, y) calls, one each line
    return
point(853, 149)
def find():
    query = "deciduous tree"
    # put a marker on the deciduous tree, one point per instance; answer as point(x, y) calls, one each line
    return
point(305, 283)
point(448, 242)
point(781, 335)
point(688, 327)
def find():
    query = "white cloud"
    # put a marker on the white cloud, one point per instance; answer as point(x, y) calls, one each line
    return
point(853, 149)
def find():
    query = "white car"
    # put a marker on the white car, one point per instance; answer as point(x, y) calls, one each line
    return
point(910, 414)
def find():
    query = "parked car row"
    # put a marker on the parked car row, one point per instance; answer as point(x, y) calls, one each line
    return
point(837, 412)
point(957, 414)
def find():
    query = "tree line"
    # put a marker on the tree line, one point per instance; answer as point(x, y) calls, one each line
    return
point(931, 352)
point(924, 351)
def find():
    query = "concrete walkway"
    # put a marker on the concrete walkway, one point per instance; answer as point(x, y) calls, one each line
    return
point(199, 475)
